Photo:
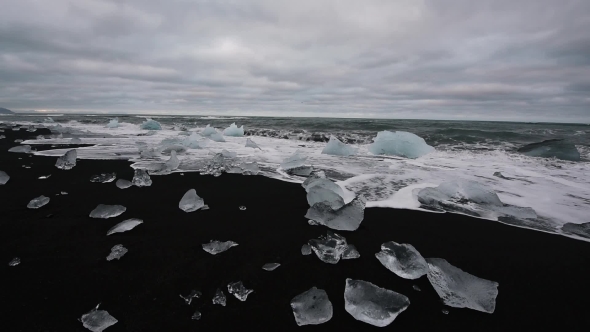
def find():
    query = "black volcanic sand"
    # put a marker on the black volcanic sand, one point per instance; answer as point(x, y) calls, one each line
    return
point(544, 280)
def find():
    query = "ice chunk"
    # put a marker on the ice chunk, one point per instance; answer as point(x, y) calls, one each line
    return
point(38, 202)
point(325, 191)
point(64, 193)
point(141, 178)
point(347, 218)
point(242, 208)
point(416, 288)
point(219, 297)
point(173, 162)
point(306, 249)
point(577, 229)
point(123, 184)
point(191, 201)
point(215, 247)
point(21, 149)
point(246, 168)
point(4, 177)
point(312, 307)
point(337, 148)
point(350, 252)
point(103, 211)
point(445, 311)
point(460, 289)
point(238, 290)
point(18, 140)
point(125, 226)
point(117, 251)
point(227, 154)
point(14, 262)
point(208, 131)
point(189, 298)
point(192, 142)
point(217, 137)
point(552, 148)
point(399, 143)
point(97, 320)
point(114, 123)
point(39, 137)
point(50, 120)
point(372, 304)
point(250, 144)
point(196, 315)
point(329, 248)
point(233, 130)
point(75, 140)
point(31, 129)
point(402, 259)
point(270, 266)
point(313, 178)
point(44, 177)
point(67, 161)
point(300, 171)
point(2, 136)
point(104, 177)
point(297, 159)
point(167, 150)
point(150, 124)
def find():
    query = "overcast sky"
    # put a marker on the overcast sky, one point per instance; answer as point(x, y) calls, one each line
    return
point(451, 59)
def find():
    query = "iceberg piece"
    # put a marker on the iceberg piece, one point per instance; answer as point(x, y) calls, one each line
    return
point(227, 154)
point(215, 247)
point(67, 161)
point(233, 130)
point(173, 162)
point(104, 177)
point(245, 168)
point(150, 124)
point(193, 141)
point(38, 202)
point(552, 148)
point(582, 230)
point(372, 304)
point(141, 178)
point(117, 251)
point(329, 248)
point(219, 297)
point(44, 177)
point(208, 131)
point(75, 140)
point(402, 259)
point(238, 290)
point(189, 298)
point(14, 262)
point(313, 178)
point(217, 137)
point(325, 191)
point(312, 307)
point(399, 143)
point(104, 211)
point(167, 150)
point(196, 315)
point(306, 249)
point(18, 140)
point(97, 320)
point(31, 129)
point(242, 208)
point(125, 226)
point(270, 266)
point(337, 148)
point(347, 218)
point(297, 159)
point(460, 289)
point(21, 149)
point(114, 123)
point(191, 201)
point(123, 184)
point(300, 171)
point(4, 177)
point(416, 288)
point(350, 252)
point(250, 144)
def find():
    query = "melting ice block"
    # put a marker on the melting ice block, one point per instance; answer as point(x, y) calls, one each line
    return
point(312, 307)
point(551, 148)
point(238, 290)
point(460, 289)
point(113, 123)
point(141, 178)
point(337, 148)
point(332, 247)
point(38, 202)
point(399, 143)
point(117, 251)
point(104, 177)
point(103, 211)
point(250, 144)
point(325, 191)
point(402, 259)
point(270, 266)
point(67, 161)
point(215, 247)
point(4, 177)
point(577, 229)
point(347, 218)
point(219, 297)
point(21, 149)
point(97, 320)
point(123, 184)
point(372, 304)
point(233, 130)
point(125, 226)
point(75, 140)
point(297, 159)
point(191, 201)
point(150, 124)
point(208, 131)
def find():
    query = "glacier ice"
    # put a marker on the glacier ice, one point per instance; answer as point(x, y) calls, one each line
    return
point(67, 161)
point(217, 137)
point(123, 184)
point(402, 259)
point(297, 159)
point(117, 251)
point(399, 143)
point(251, 144)
point(372, 304)
point(228, 154)
point(313, 178)
point(141, 178)
point(150, 124)
point(191, 201)
point(238, 290)
point(460, 289)
point(306, 249)
point(104, 211)
point(332, 247)
point(582, 230)
point(21, 149)
point(4, 177)
point(233, 130)
point(125, 226)
point(104, 177)
point(312, 307)
point(14, 262)
point(337, 148)
point(193, 141)
point(208, 131)
point(114, 123)
point(270, 266)
point(246, 168)
point(75, 140)
point(350, 252)
point(215, 247)
point(219, 297)
point(347, 218)
point(325, 191)
point(172, 163)
point(97, 320)
point(38, 202)
point(194, 294)
point(552, 148)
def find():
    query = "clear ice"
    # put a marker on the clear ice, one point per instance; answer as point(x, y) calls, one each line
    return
point(103, 211)
point(306, 249)
point(372, 304)
point(14, 262)
point(104, 177)
point(194, 294)
point(113, 123)
point(21, 149)
point(4, 177)
point(297, 159)
point(125, 226)
point(191, 201)
point(399, 143)
point(67, 161)
point(208, 131)
point(331, 248)
point(350, 252)
point(238, 290)
point(219, 297)
point(402, 259)
point(117, 251)
point(97, 320)
point(123, 184)
point(150, 124)
point(325, 191)
point(337, 148)
point(217, 137)
point(141, 178)
point(38, 202)
point(270, 266)
point(347, 218)
point(312, 307)
point(233, 130)
point(250, 144)
point(215, 247)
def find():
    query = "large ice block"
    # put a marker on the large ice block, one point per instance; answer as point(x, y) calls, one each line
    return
point(217, 137)
point(233, 130)
point(400, 143)
point(402, 259)
point(347, 218)
point(113, 123)
point(325, 191)
point(372, 304)
point(312, 307)
point(337, 148)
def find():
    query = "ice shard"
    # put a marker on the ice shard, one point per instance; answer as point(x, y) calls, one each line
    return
point(297, 159)
point(306, 249)
point(337, 148)
point(208, 131)
point(97, 320)
point(329, 248)
point(196, 315)
point(104, 177)
point(14, 262)
point(233, 130)
point(347, 218)
point(123, 184)
point(402, 259)
point(150, 124)
point(44, 177)
point(103, 211)
point(270, 266)
point(219, 297)
point(173, 162)
point(312, 307)
point(113, 123)
point(399, 143)
point(117, 251)
point(141, 178)
point(125, 226)
point(250, 144)
point(238, 290)
point(38, 202)
point(191, 201)
point(194, 294)
point(372, 304)
point(4, 177)
point(21, 149)
point(325, 191)
point(215, 247)
point(350, 252)
point(67, 161)
point(217, 137)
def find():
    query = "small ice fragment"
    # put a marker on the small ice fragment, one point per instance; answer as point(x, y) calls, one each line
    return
point(125, 226)
point(313, 222)
point(38, 202)
point(238, 290)
point(97, 320)
point(4, 177)
point(150, 124)
point(301, 170)
point(233, 130)
point(445, 311)
point(312, 307)
point(350, 252)
point(21, 149)
point(347, 218)
point(194, 294)
point(416, 288)
point(215, 247)
point(31, 129)
point(123, 184)
point(196, 315)
point(104, 177)
point(460, 289)
point(14, 262)
point(402, 259)
point(208, 131)
point(219, 297)
point(306, 249)
point(205, 207)
point(104, 211)
point(329, 248)
point(372, 304)
point(113, 123)
point(75, 140)
point(227, 154)
point(251, 144)
point(400, 143)
point(270, 266)
point(67, 161)
point(242, 208)
point(217, 137)
point(2, 136)
point(64, 193)
point(191, 201)
point(141, 178)
point(117, 251)
point(297, 159)
point(39, 137)
point(337, 148)
point(18, 140)
point(43, 177)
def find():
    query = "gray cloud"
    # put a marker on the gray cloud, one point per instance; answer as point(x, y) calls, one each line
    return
point(454, 59)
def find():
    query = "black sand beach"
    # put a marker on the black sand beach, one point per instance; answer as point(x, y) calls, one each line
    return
point(544, 278)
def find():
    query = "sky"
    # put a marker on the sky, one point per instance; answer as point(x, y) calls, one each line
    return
point(420, 59)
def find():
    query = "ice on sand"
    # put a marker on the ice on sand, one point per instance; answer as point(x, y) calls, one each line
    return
point(141, 178)
point(123, 184)
point(196, 315)
point(250, 144)
point(337, 148)
point(347, 218)
point(238, 290)
point(219, 297)
point(270, 266)
point(332, 247)
point(104, 177)
point(191, 201)
point(460, 289)
point(38, 202)
point(103, 211)
point(172, 163)
point(75, 140)
point(577, 229)
point(215, 247)
point(113, 123)
point(21, 149)
point(14, 262)
point(233, 130)
point(402, 259)
point(125, 226)
point(313, 178)
point(194, 294)
point(399, 143)
point(44, 177)
point(228, 154)
point(67, 161)
point(208, 131)
point(4, 177)
point(97, 320)
point(306, 249)
point(193, 141)
point(312, 307)
point(350, 252)
point(325, 191)
point(297, 159)
point(117, 251)
point(372, 304)
point(150, 124)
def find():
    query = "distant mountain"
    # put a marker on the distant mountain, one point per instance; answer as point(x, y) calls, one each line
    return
point(5, 111)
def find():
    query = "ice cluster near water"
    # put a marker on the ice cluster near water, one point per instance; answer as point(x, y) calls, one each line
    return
point(191, 201)
point(233, 130)
point(337, 148)
point(193, 141)
point(4, 177)
point(21, 149)
point(219, 297)
point(552, 148)
point(38, 202)
point(312, 307)
point(141, 178)
point(104, 177)
point(97, 320)
point(296, 160)
point(123, 184)
point(215, 247)
point(208, 131)
point(251, 144)
point(150, 124)
point(332, 247)
point(114, 123)
point(325, 191)
point(346, 218)
point(117, 251)
point(217, 137)
point(372, 304)
point(125, 226)
point(103, 211)
point(67, 161)
point(399, 143)
point(402, 259)
point(238, 290)
point(270, 266)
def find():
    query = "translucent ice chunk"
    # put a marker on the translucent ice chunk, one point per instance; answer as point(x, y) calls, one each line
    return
point(97, 320)
point(38, 202)
point(18, 140)
point(313, 178)
point(250, 144)
point(21, 149)
point(402, 259)
point(372, 304)
point(167, 150)
point(400, 143)
point(114, 123)
point(75, 140)
point(173, 162)
point(103, 211)
point(67, 161)
point(150, 124)
point(227, 154)
point(44, 177)
point(297, 159)
point(217, 137)
point(416, 288)
point(242, 208)
point(191, 201)
point(337, 148)
point(347, 218)
point(4, 177)
point(193, 141)
point(238, 290)
point(123, 184)
point(141, 178)
point(104, 177)
point(196, 315)
point(577, 229)
point(246, 168)
point(14, 262)
point(125, 226)
point(552, 148)
point(117, 251)
point(194, 294)
point(460, 289)
point(270, 266)
point(208, 131)
point(329, 248)
point(325, 191)
point(312, 307)
point(350, 252)
point(219, 297)
point(215, 247)
point(233, 130)
point(306, 249)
